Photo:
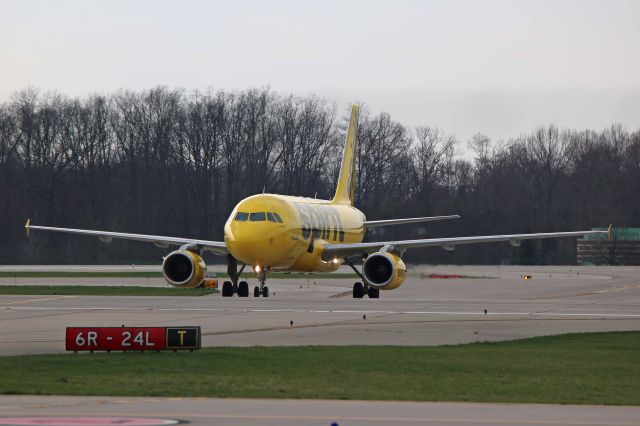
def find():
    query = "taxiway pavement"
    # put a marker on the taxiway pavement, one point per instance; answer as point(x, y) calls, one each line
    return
point(211, 411)
point(424, 311)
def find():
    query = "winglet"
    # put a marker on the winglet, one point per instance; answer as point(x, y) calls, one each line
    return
point(610, 232)
point(27, 225)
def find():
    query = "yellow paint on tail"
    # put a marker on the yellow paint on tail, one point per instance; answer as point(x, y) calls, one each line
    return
point(346, 189)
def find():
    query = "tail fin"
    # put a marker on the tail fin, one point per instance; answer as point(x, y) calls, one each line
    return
point(346, 189)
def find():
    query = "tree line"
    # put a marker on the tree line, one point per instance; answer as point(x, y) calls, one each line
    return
point(170, 162)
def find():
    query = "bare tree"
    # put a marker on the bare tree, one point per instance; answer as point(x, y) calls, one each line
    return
point(166, 161)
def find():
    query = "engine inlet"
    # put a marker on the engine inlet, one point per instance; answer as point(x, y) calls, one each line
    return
point(178, 268)
point(378, 269)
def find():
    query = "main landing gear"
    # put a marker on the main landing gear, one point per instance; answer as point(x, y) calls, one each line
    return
point(229, 288)
point(241, 289)
point(359, 289)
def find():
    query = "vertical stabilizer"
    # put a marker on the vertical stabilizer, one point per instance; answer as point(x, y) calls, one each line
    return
point(346, 189)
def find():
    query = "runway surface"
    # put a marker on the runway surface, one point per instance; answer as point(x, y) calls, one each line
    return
point(424, 311)
point(211, 411)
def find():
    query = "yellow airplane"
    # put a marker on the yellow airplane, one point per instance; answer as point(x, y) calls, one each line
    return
point(271, 232)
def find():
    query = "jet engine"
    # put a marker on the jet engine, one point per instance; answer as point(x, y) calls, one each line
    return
point(184, 268)
point(384, 270)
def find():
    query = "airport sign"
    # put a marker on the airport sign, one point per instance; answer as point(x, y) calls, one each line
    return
point(132, 338)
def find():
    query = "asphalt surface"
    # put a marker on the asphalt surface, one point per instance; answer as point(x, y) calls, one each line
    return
point(211, 411)
point(424, 311)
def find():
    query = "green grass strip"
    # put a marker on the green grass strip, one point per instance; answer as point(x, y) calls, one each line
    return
point(596, 368)
point(140, 274)
point(85, 290)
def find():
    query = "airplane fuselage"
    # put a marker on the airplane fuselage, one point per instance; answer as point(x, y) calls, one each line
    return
point(286, 233)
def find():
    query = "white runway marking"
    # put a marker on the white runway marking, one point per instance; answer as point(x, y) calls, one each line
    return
point(314, 311)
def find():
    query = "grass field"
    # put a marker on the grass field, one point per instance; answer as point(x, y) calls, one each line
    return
point(598, 368)
point(140, 274)
point(80, 290)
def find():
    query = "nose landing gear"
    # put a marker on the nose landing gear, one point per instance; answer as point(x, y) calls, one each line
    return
point(262, 289)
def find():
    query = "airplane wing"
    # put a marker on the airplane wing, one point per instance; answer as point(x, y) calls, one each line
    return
point(216, 247)
point(376, 223)
point(340, 251)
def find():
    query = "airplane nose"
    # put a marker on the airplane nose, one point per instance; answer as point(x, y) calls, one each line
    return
point(245, 244)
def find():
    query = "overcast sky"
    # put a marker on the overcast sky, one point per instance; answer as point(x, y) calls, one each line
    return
point(496, 67)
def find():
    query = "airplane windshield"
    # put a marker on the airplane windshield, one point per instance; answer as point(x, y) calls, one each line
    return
point(258, 217)
point(242, 216)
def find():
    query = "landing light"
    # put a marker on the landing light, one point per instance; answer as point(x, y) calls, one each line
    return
point(257, 269)
point(335, 260)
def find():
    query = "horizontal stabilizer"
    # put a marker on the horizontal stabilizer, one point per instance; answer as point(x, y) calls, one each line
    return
point(387, 222)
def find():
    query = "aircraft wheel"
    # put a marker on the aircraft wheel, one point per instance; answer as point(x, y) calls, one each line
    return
point(358, 291)
point(256, 291)
point(243, 289)
point(265, 291)
point(227, 289)
point(374, 293)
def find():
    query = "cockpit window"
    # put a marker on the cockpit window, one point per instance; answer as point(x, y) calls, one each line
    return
point(242, 216)
point(258, 217)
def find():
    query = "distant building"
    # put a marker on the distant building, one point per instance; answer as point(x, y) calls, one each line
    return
point(623, 249)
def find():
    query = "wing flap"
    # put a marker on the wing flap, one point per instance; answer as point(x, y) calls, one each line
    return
point(216, 247)
point(333, 251)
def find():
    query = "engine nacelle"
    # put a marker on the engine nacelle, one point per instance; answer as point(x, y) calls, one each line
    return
point(384, 270)
point(184, 268)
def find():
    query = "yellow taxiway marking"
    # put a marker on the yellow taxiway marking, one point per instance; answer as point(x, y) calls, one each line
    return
point(343, 294)
point(38, 300)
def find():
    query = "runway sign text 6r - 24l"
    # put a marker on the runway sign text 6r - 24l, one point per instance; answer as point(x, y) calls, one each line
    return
point(132, 338)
